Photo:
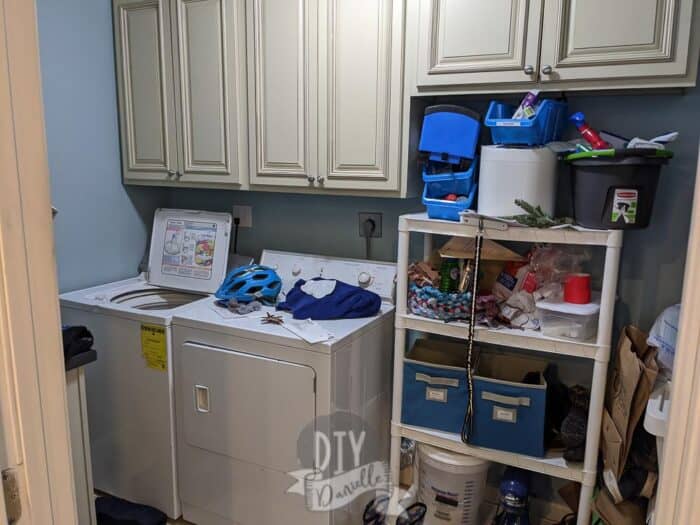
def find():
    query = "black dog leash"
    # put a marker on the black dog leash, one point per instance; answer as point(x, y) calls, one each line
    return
point(469, 414)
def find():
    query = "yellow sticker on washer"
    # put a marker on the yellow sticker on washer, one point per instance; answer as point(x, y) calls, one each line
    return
point(154, 346)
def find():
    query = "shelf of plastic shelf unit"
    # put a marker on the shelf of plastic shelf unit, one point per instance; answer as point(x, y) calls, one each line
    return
point(553, 464)
point(420, 222)
point(514, 338)
point(598, 351)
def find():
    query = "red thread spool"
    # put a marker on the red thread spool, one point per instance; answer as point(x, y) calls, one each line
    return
point(577, 288)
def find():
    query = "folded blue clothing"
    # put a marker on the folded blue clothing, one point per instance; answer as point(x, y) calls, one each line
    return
point(341, 300)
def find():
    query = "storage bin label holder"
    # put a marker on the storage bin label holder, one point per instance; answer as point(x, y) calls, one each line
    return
point(436, 394)
point(503, 414)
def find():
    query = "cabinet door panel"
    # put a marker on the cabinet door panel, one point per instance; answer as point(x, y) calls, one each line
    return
point(282, 43)
point(360, 94)
point(144, 81)
point(475, 42)
point(210, 74)
point(598, 39)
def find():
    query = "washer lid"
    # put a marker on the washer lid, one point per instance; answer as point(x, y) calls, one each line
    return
point(189, 249)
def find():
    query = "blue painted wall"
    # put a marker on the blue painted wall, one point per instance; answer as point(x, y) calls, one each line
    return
point(102, 228)
point(653, 260)
point(322, 224)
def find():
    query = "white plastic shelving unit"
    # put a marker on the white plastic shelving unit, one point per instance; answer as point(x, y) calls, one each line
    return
point(599, 351)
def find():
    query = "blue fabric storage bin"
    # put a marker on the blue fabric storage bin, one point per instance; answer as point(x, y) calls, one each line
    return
point(435, 388)
point(439, 185)
point(450, 133)
point(546, 126)
point(509, 414)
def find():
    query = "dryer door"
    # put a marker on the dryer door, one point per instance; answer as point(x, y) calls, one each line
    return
point(245, 406)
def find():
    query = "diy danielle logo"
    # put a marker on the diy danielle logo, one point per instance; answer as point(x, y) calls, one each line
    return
point(342, 461)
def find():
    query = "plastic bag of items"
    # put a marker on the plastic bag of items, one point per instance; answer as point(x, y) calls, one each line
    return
point(551, 264)
point(521, 284)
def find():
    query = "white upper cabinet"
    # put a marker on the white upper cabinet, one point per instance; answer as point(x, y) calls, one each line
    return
point(479, 46)
point(325, 93)
point(209, 56)
point(282, 41)
point(146, 98)
point(478, 42)
point(360, 94)
point(270, 94)
point(603, 39)
point(182, 91)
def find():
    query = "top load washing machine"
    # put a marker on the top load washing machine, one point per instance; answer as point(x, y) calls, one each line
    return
point(129, 387)
point(248, 393)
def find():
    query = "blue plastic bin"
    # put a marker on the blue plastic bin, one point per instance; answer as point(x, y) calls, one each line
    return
point(437, 186)
point(547, 125)
point(441, 184)
point(509, 414)
point(435, 388)
point(450, 133)
point(447, 210)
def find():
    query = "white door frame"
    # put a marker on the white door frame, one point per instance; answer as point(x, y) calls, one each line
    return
point(34, 435)
point(679, 488)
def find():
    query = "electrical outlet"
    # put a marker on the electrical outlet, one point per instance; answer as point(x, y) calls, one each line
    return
point(245, 214)
point(376, 217)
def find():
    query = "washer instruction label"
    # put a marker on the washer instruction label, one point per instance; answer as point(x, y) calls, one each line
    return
point(154, 346)
point(188, 248)
point(625, 206)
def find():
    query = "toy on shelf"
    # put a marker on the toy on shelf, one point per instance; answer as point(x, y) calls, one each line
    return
point(514, 492)
point(588, 132)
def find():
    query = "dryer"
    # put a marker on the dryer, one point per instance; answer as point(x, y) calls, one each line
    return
point(246, 391)
point(130, 386)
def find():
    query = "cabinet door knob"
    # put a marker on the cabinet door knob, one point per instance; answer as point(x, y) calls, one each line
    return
point(319, 179)
point(310, 179)
point(179, 175)
point(528, 70)
point(171, 173)
point(547, 70)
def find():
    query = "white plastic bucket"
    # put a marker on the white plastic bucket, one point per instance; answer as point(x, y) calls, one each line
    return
point(506, 174)
point(451, 486)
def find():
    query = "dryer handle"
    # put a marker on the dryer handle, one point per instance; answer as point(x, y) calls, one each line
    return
point(201, 399)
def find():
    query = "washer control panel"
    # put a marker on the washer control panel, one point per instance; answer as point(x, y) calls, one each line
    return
point(379, 277)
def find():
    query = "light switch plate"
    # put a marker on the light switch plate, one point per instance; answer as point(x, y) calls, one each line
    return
point(245, 214)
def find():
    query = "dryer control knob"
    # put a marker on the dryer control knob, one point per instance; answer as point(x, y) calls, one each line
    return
point(364, 279)
point(296, 269)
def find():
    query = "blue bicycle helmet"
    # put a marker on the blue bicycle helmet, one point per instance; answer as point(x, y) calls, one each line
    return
point(250, 283)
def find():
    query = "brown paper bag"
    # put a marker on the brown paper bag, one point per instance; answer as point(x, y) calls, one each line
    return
point(626, 513)
point(630, 385)
point(570, 493)
point(611, 444)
